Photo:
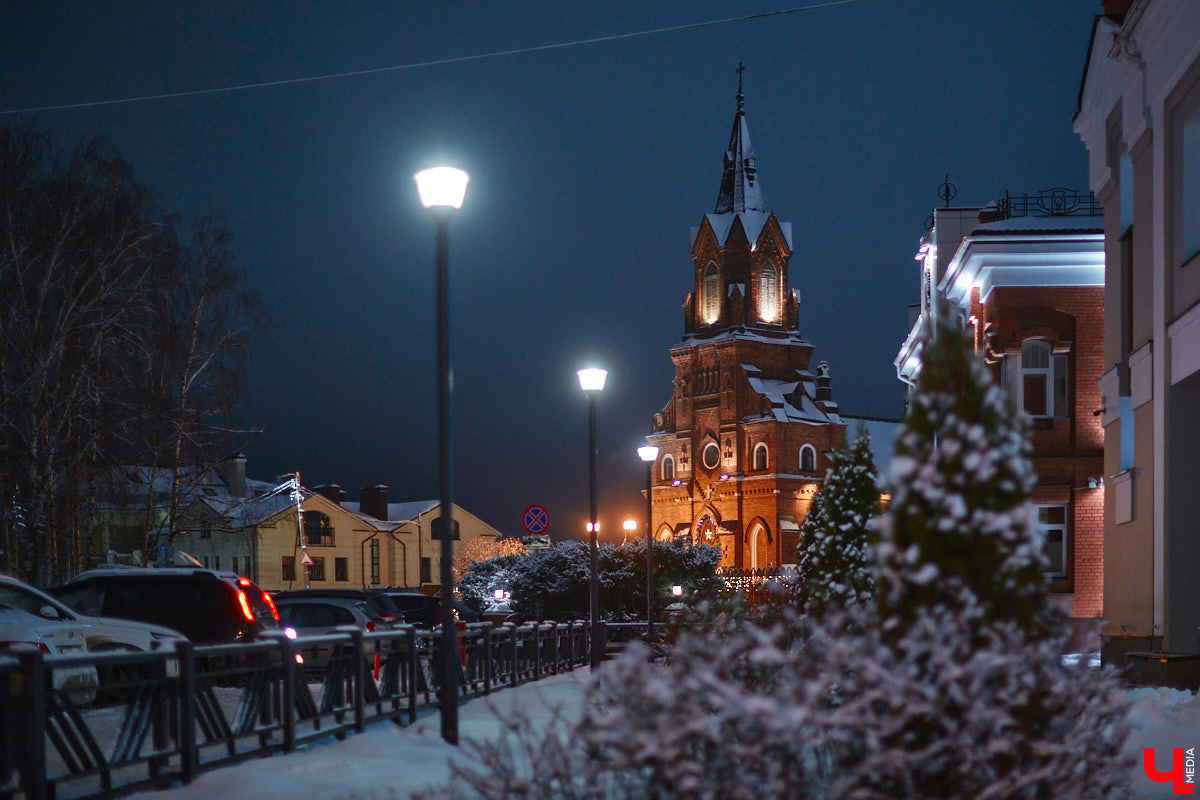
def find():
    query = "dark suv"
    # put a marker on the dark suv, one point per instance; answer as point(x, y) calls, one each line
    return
point(425, 611)
point(204, 605)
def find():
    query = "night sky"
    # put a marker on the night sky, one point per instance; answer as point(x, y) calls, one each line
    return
point(589, 166)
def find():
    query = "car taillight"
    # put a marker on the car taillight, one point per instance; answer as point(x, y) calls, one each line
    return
point(244, 604)
point(243, 581)
point(370, 626)
point(39, 645)
point(271, 605)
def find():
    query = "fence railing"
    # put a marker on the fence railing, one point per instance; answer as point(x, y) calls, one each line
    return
point(161, 717)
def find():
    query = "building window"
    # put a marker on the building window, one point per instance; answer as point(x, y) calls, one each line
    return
point(317, 571)
point(711, 295)
point(1185, 174)
point(768, 293)
point(375, 562)
point(234, 568)
point(1043, 380)
point(341, 569)
point(426, 570)
point(808, 459)
point(760, 456)
point(288, 571)
point(668, 468)
point(216, 562)
point(206, 532)
point(1052, 522)
point(711, 455)
point(318, 529)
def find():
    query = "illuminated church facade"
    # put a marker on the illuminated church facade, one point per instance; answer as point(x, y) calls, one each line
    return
point(746, 435)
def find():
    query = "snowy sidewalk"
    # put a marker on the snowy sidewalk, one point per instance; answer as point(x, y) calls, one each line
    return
point(386, 762)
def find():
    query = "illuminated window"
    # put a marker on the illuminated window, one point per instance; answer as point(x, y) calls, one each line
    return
point(768, 293)
point(760, 456)
point(318, 529)
point(1052, 522)
point(808, 459)
point(711, 295)
point(668, 468)
point(1043, 380)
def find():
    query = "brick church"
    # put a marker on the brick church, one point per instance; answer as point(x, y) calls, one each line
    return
point(746, 435)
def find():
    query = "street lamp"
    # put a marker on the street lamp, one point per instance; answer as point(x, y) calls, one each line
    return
point(591, 380)
point(442, 190)
point(630, 525)
point(649, 454)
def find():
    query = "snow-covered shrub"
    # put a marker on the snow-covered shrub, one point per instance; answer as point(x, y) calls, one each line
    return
point(835, 567)
point(960, 524)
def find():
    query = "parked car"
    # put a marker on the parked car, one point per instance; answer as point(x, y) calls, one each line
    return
point(316, 616)
point(377, 600)
point(54, 638)
point(206, 606)
point(425, 611)
point(103, 634)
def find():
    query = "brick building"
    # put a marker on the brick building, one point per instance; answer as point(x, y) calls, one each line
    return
point(745, 437)
point(1026, 276)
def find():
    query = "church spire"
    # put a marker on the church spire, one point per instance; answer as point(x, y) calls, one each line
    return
point(740, 190)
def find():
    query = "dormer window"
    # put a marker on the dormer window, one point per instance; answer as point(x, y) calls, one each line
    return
point(710, 307)
point(768, 293)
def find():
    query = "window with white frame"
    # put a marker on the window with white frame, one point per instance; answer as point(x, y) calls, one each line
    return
point(710, 308)
point(1185, 173)
point(1043, 380)
point(808, 459)
point(668, 468)
point(760, 456)
point(768, 292)
point(1052, 523)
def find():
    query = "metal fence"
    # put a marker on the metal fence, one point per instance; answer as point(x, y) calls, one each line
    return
point(160, 717)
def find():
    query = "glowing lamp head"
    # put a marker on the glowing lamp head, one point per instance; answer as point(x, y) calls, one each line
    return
point(677, 590)
point(442, 187)
point(648, 453)
point(590, 528)
point(629, 524)
point(592, 379)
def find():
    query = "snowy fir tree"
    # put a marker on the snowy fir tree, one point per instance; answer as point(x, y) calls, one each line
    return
point(959, 531)
point(835, 567)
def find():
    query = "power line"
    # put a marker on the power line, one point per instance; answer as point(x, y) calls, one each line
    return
point(433, 63)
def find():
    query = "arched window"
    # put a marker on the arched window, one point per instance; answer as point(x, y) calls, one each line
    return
point(668, 468)
point(808, 459)
point(768, 293)
point(760, 456)
point(1043, 380)
point(711, 294)
point(711, 455)
point(318, 529)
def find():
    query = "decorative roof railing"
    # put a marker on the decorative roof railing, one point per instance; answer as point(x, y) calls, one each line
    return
point(1054, 202)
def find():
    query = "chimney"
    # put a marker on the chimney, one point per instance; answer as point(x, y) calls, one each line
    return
point(373, 500)
point(331, 491)
point(232, 470)
point(824, 382)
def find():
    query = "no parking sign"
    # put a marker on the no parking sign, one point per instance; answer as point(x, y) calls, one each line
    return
point(537, 520)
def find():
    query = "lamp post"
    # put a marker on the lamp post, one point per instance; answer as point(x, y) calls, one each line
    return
point(649, 454)
point(442, 190)
point(591, 380)
point(629, 525)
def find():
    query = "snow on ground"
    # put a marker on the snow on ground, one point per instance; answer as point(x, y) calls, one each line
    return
point(388, 762)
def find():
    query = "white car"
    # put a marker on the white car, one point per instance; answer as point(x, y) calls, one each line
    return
point(21, 629)
point(103, 634)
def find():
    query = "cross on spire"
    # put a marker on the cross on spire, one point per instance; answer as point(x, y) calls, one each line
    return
point(740, 97)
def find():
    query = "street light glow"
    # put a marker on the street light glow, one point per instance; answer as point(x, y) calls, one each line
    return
point(648, 453)
point(592, 379)
point(630, 524)
point(442, 187)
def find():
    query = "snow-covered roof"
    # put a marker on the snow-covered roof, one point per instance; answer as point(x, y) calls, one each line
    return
point(1052, 224)
point(788, 404)
point(753, 223)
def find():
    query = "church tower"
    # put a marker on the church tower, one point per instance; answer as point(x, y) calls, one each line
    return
point(746, 434)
